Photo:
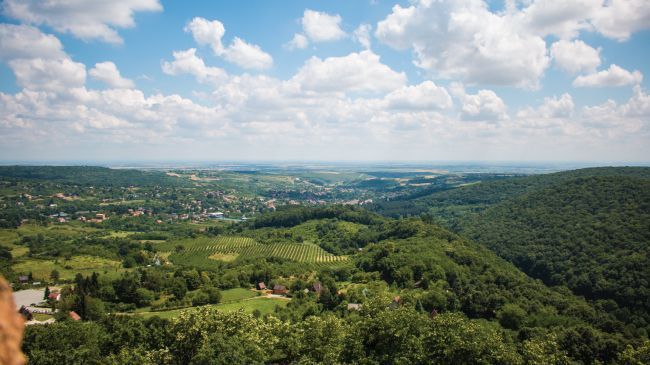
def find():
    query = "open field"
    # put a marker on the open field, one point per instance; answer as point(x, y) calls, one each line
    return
point(67, 269)
point(237, 294)
point(263, 304)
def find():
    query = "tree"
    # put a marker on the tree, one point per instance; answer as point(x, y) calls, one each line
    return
point(511, 316)
point(46, 295)
point(178, 288)
point(54, 275)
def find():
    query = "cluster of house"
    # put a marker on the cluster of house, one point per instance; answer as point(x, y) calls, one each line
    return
point(279, 289)
point(140, 211)
point(97, 218)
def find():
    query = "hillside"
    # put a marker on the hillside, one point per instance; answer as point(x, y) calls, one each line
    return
point(591, 234)
point(449, 205)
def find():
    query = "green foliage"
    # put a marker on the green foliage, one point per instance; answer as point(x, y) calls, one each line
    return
point(590, 234)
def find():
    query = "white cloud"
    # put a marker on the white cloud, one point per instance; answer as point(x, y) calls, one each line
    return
point(38, 60)
point(575, 56)
point(299, 41)
point(207, 33)
point(623, 120)
point(425, 96)
point(247, 55)
point(463, 39)
point(239, 52)
point(614, 76)
point(551, 108)
point(86, 20)
point(108, 73)
point(638, 105)
point(187, 62)
point(618, 19)
point(25, 41)
point(362, 35)
point(48, 74)
point(485, 105)
point(356, 72)
point(322, 27)
point(554, 107)
point(564, 19)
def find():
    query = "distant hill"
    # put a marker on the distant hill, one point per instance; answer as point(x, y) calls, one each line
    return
point(448, 205)
point(89, 175)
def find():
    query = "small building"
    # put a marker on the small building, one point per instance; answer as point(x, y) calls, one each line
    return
point(261, 286)
point(354, 306)
point(74, 316)
point(100, 216)
point(23, 278)
point(215, 215)
point(55, 296)
point(280, 289)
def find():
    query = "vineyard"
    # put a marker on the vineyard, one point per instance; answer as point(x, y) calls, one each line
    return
point(197, 252)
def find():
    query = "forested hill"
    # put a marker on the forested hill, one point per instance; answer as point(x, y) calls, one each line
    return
point(590, 233)
point(450, 205)
point(88, 175)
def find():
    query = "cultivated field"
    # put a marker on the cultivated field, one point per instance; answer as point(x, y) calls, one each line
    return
point(206, 251)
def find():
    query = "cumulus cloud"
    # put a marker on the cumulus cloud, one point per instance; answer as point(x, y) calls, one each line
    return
point(628, 118)
point(43, 65)
point(564, 19)
point(618, 19)
point(424, 96)
point(317, 27)
point(207, 33)
point(108, 73)
point(575, 56)
point(485, 105)
point(613, 76)
point(239, 52)
point(322, 27)
point(362, 35)
point(87, 20)
point(48, 74)
point(187, 62)
point(465, 40)
point(552, 107)
point(356, 72)
point(14, 38)
point(299, 41)
point(615, 19)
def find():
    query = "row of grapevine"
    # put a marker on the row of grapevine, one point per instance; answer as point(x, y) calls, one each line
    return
point(198, 251)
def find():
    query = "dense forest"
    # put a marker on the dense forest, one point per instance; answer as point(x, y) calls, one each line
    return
point(590, 234)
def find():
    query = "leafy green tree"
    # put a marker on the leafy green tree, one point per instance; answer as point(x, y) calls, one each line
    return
point(511, 316)
point(68, 342)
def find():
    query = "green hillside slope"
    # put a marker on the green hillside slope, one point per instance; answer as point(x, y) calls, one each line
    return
point(591, 234)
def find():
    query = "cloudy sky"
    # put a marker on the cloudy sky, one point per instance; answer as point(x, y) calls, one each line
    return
point(325, 80)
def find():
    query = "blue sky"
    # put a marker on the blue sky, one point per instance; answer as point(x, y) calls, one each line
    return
point(369, 80)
